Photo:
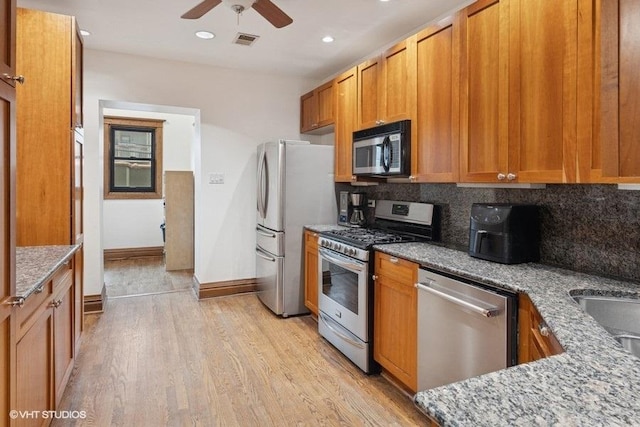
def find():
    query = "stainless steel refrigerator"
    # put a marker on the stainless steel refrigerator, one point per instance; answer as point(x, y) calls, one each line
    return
point(295, 187)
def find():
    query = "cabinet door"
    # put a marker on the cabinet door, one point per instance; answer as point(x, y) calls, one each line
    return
point(436, 145)
point(308, 112)
point(619, 130)
point(78, 296)
point(484, 97)
point(397, 82)
point(543, 76)
point(395, 318)
point(77, 71)
point(7, 224)
point(63, 336)
point(8, 45)
point(346, 99)
point(311, 271)
point(35, 370)
point(368, 93)
point(326, 105)
point(535, 338)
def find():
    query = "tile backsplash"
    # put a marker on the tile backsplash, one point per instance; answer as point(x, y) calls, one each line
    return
point(589, 228)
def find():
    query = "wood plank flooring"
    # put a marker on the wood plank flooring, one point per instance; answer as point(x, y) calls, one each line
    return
point(169, 360)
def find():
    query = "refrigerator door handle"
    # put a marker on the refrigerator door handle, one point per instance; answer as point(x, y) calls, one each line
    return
point(261, 189)
point(264, 233)
point(263, 254)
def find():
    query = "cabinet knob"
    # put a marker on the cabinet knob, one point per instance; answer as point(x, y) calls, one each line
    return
point(511, 176)
point(19, 79)
point(544, 329)
point(39, 289)
point(501, 177)
point(374, 277)
point(393, 260)
point(56, 303)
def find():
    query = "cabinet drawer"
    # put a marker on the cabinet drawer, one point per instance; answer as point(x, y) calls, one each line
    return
point(395, 268)
point(34, 305)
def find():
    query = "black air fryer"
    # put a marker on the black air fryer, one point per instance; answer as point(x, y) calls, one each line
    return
point(505, 233)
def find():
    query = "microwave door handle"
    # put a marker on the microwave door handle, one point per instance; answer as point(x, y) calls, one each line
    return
point(480, 234)
point(386, 153)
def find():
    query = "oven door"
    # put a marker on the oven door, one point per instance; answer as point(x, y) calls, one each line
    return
point(343, 291)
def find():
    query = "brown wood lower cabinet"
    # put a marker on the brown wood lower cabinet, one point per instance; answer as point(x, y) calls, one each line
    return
point(45, 350)
point(395, 319)
point(536, 341)
point(34, 354)
point(311, 271)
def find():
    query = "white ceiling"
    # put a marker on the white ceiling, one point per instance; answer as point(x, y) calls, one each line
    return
point(154, 28)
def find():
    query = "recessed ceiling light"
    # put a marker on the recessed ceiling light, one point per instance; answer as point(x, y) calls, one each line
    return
point(327, 39)
point(85, 33)
point(384, 0)
point(205, 35)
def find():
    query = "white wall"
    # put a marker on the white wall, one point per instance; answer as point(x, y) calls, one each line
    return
point(136, 223)
point(238, 110)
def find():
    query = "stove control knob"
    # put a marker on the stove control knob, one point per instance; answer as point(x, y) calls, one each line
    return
point(352, 251)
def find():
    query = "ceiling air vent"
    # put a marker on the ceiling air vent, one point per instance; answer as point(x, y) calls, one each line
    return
point(245, 39)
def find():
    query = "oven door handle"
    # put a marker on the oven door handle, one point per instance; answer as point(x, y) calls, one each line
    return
point(323, 318)
point(341, 261)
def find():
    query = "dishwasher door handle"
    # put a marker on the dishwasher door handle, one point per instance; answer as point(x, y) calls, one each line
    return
point(486, 312)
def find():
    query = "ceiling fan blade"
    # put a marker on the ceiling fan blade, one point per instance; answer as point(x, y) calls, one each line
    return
point(200, 9)
point(272, 13)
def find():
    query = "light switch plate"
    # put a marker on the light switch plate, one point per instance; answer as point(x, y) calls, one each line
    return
point(216, 178)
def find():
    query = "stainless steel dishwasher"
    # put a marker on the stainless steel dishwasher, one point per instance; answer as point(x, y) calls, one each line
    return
point(464, 329)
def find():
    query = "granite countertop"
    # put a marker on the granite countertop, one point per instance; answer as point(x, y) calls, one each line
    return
point(319, 228)
point(36, 264)
point(594, 382)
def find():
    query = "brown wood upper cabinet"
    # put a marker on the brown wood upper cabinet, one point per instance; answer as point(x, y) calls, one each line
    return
point(521, 66)
point(386, 86)
point(317, 109)
point(618, 122)
point(435, 140)
point(346, 100)
point(47, 115)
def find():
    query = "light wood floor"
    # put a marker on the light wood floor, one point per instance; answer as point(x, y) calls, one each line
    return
point(137, 276)
point(170, 360)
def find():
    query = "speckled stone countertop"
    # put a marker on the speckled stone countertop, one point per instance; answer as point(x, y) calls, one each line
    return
point(319, 228)
point(594, 382)
point(36, 264)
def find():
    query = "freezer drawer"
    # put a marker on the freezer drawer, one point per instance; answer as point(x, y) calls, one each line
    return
point(269, 240)
point(464, 330)
point(270, 277)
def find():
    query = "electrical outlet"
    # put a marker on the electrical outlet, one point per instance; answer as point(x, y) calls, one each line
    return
point(371, 203)
point(216, 178)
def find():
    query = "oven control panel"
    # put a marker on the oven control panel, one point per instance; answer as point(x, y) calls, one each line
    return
point(348, 250)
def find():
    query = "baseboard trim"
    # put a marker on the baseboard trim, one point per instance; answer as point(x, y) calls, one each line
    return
point(126, 253)
point(95, 303)
point(225, 288)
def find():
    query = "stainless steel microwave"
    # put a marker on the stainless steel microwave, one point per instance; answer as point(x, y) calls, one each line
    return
point(383, 151)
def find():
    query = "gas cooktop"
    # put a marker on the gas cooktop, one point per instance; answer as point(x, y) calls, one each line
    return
point(366, 237)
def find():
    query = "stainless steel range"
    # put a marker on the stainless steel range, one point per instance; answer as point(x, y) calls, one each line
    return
point(345, 297)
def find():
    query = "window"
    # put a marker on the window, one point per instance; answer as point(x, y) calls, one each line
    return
point(133, 158)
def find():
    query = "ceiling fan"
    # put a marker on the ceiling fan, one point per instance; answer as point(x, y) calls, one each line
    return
point(266, 8)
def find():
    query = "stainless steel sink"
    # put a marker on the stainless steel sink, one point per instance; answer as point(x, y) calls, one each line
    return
point(618, 315)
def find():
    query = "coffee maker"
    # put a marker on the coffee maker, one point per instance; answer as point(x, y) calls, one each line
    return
point(358, 203)
point(351, 209)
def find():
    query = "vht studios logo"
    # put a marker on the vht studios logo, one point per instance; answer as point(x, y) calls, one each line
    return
point(47, 414)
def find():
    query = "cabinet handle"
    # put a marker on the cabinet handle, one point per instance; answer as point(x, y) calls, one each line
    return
point(17, 302)
point(19, 79)
point(39, 289)
point(511, 176)
point(56, 303)
point(393, 260)
point(501, 177)
point(544, 329)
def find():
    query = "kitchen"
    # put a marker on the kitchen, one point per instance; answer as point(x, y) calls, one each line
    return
point(149, 78)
